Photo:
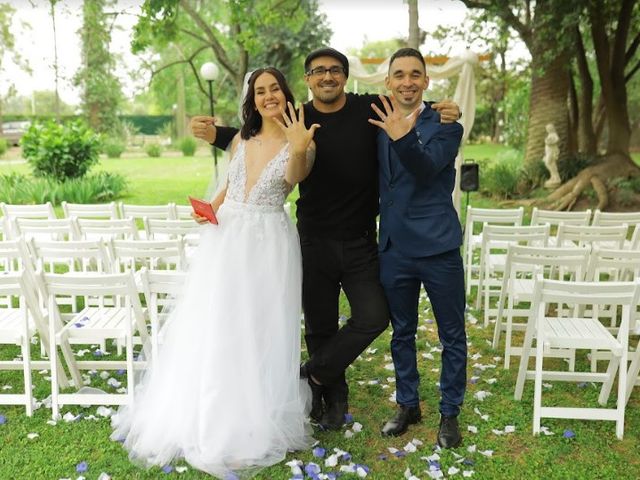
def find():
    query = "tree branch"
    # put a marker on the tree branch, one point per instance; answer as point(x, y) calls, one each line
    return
point(510, 19)
point(213, 42)
point(632, 72)
point(631, 51)
point(618, 59)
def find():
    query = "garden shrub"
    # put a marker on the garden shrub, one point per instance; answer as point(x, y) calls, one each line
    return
point(61, 151)
point(500, 178)
point(153, 150)
point(188, 146)
point(570, 166)
point(92, 188)
point(113, 148)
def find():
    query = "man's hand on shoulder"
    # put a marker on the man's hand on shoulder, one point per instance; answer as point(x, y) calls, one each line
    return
point(448, 109)
point(204, 127)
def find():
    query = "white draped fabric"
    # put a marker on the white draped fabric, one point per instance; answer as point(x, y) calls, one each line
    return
point(465, 95)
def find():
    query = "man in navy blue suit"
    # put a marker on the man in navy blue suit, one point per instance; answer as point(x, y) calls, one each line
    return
point(420, 238)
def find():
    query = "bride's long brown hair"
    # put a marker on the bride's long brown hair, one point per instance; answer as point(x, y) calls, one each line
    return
point(252, 120)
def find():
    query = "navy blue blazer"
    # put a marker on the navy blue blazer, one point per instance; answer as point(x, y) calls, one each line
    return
point(417, 177)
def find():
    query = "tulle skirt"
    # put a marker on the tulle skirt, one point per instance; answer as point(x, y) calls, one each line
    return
point(224, 391)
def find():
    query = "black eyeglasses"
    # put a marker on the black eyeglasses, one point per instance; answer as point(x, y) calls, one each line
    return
point(335, 71)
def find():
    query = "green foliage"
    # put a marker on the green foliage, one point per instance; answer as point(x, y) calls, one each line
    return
point(153, 150)
point(574, 164)
point(188, 146)
point(60, 151)
point(94, 188)
point(626, 189)
point(236, 32)
point(113, 148)
point(516, 113)
point(101, 90)
point(4, 146)
point(501, 177)
point(531, 175)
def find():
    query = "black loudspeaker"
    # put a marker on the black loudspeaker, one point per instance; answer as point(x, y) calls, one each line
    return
point(469, 177)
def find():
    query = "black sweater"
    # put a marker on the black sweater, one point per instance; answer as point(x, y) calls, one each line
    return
point(339, 198)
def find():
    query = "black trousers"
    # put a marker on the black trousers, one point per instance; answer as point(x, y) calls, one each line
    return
point(329, 265)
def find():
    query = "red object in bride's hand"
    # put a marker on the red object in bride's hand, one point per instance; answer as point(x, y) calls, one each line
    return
point(204, 209)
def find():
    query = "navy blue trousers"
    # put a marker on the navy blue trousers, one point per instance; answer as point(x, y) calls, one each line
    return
point(443, 278)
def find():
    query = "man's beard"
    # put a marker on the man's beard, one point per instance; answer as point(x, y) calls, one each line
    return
point(329, 97)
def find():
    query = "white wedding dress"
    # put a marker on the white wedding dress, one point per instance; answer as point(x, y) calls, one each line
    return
point(224, 392)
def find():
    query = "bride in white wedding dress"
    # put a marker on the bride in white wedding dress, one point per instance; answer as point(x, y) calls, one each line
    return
point(224, 391)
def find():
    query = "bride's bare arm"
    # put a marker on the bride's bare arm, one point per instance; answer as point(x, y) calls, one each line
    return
point(302, 149)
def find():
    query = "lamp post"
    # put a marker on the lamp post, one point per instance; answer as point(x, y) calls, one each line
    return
point(209, 71)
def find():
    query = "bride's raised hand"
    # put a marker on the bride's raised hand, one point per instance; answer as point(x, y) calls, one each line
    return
point(298, 135)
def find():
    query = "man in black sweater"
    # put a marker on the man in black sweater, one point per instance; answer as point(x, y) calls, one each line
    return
point(336, 213)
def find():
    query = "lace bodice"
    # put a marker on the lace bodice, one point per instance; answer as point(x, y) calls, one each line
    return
point(270, 189)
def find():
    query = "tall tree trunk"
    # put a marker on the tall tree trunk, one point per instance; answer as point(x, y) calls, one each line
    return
point(550, 86)
point(414, 28)
point(587, 142)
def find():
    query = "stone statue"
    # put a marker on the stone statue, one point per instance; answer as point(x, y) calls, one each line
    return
point(551, 153)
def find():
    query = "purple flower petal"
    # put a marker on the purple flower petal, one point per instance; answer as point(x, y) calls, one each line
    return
point(434, 465)
point(122, 371)
point(382, 457)
point(97, 353)
point(364, 467)
point(568, 434)
point(312, 469)
point(3, 419)
point(348, 418)
point(466, 461)
point(167, 469)
point(82, 467)
point(231, 476)
point(319, 452)
point(345, 457)
point(400, 453)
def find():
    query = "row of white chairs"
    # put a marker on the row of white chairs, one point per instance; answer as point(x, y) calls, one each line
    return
point(559, 263)
point(110, 210)
point(578, 225)
point(94, 229)
point(119, 316)
point(564, 315)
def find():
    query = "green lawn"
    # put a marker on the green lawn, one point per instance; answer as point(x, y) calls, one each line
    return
point(593, 452)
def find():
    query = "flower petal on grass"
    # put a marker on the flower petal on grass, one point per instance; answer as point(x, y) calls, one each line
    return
point(348, 418)
point(182, 469)
point(169, 469)
point(357, 427)
point(319, 452)
point(82, 467)
point(472, 428)
point(453, 470)
point(569, 434)
point(481, 395)
point(3, 419)
point(509, 429)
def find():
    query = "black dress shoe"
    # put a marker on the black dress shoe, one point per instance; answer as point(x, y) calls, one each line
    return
point(334, 415)
point(449, 435)
point(399, 424)
point(317, 407)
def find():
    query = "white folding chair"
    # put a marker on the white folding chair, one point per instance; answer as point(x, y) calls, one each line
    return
point(612, 236)
point(11, 212)
point(632, 219)
point(183, 212)
point(165, 212)
point(578, 331)
point(90, 210)
point(46, 229)
point(617, 266)
point(91, 229)
point(522, 264)
point(634, 243)
point(160, 287)
point(556, 218)
point(188, 230)
point(153, 254)
point(495, 241)
point(91, 324)
point(475, 220)
point(17, 328)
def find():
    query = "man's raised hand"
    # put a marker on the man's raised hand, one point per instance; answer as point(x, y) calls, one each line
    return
point(204, 127)
point(392, 120)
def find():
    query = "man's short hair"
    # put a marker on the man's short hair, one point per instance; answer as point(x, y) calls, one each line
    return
point(407, 52)
point(327, 52)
